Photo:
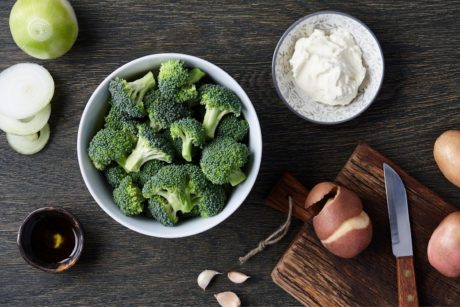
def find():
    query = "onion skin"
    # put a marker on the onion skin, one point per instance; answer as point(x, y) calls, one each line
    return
point(447, 155)
point(444, 246)
point(341, 225)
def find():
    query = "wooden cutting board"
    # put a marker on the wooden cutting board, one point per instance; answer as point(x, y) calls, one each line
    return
point(315, 277)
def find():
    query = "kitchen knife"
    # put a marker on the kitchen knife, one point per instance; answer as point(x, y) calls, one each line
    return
point(401, 237)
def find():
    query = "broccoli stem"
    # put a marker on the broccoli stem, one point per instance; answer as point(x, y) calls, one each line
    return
point(187, 149)
point(236, 177)
point(195, 75)
point(139, 156)
point(211, 119)
point(141, 86)
point(177, 203)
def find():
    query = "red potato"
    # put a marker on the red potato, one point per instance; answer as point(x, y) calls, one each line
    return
point(444, 246)
point(341, 224)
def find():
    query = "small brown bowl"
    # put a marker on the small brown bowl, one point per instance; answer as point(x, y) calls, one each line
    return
point(50, 239)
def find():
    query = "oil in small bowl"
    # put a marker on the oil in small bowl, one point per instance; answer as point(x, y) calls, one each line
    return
point(51, 239)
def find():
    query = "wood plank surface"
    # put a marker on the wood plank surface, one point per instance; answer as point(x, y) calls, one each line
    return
point(419, 99)
point(316, 277)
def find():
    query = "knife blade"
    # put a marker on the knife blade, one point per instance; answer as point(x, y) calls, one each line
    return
point(401, 240)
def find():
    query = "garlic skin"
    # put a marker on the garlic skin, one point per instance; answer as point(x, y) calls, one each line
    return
point(205, 278)
point(228, 299)
point(237, 277)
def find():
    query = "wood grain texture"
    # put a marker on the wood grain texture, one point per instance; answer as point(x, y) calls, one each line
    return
point(285, 187)
point(418, 100)
point(407, 285)
point(317, 278)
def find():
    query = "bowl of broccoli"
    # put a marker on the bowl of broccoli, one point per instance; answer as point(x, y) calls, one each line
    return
point(169, 145)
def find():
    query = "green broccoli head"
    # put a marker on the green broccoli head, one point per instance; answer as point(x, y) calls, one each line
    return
point(191, 133)
point(162, 211)
point(222, 160)
point(172, 76)
point(163, 112)
point(128, 197)
point(212, 200)
point(118, 120)
point(115, 174)
point(128, 96)
point(219, 101)
point(233, 127)
point(110, 145)
point(177, 83)
point(148, 170)
point(172, 183)
point(150, 146)
point(207, 197)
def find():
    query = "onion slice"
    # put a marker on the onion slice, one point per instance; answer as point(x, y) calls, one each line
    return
point(29, 144)
point(25, 89)
point(26, 126)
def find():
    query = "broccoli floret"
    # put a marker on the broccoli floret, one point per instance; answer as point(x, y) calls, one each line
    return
point(118, 120)
point(207, 197)
point(172, 183)
point(162, 211)
point(163, 112)
point(234, 127)
point(191, 133)
point(128, 197)
point(177, 83)
point(148, 170)
point(212, 201)
point(150, 146)
point(222, 160)
point(219, 101)
point(115, 174)
point(110, 145)
point(128, 96)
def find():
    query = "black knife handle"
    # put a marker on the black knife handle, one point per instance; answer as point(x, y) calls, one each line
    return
point(407, 287)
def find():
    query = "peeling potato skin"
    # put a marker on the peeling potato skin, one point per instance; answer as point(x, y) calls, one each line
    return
point(345, 205)
point(351, 243)
point(318, 192)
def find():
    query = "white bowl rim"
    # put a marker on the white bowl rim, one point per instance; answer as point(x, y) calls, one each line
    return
point(250, 181)
point(280, 42)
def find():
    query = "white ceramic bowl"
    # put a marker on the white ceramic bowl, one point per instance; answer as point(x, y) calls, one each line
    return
point(92, 121)
point(296, 99)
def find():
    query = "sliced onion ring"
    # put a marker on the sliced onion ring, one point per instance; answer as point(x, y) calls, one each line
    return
point(27, 126)
point(29, 144)
point(25, 89)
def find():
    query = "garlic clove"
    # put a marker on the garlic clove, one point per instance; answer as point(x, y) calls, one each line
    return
point(205, 278)
point(237, 277)
point(228, 299)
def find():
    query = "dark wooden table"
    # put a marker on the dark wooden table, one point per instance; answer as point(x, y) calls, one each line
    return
point(419, 99)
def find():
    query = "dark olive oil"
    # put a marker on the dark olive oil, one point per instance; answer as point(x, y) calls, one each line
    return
point(53, 239)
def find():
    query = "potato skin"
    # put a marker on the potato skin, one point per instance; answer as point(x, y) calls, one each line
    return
point(318, 192)
point(344, 206)
point(351, 243)
point(447, 155)
point(444, 246)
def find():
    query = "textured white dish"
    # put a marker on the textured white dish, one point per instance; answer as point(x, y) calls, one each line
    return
point(296, 99)
point(92, 120)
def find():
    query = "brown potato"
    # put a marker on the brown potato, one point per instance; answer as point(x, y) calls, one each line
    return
point(447, 155)
point(341, 224)
point(444, 246)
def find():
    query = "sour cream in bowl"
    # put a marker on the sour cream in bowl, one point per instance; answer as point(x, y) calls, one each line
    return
point(328, 67)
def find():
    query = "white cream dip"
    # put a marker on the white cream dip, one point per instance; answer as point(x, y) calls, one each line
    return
point(328, 67)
